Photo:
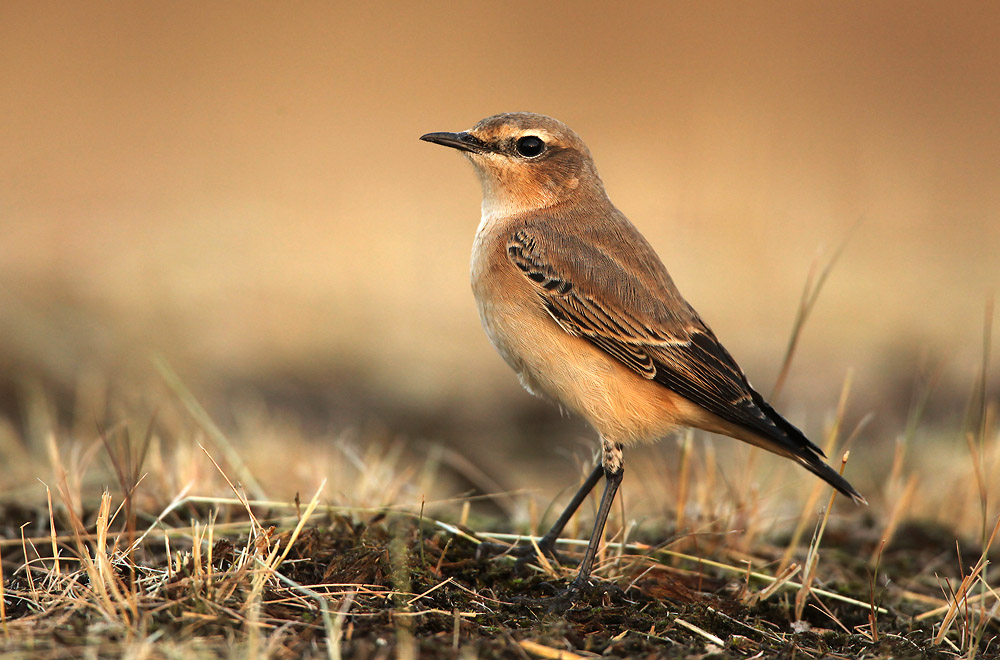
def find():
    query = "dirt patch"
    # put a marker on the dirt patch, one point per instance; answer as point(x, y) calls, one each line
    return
point(398, 586)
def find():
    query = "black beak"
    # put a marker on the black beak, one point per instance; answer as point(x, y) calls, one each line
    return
point(460, 141)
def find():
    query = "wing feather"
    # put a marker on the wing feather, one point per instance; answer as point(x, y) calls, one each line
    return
point(685, 357)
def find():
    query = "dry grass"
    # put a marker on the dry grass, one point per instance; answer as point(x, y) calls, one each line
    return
point(186, 555)
point(157, 531)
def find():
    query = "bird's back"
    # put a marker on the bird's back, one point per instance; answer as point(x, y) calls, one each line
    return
point(598, 279)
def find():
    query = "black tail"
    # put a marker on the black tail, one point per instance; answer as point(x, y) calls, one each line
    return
point(805, 452)
point(817, 466)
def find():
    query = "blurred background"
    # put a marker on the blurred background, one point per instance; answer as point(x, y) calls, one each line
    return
point(239, 188)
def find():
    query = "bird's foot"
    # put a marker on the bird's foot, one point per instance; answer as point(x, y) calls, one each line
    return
point(579, 590)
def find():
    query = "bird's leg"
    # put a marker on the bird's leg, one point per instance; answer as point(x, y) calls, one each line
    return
point(547, 543)
point(614, 470)
point(612, 466)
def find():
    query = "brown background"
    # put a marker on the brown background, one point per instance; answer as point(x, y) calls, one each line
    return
point(239, 186)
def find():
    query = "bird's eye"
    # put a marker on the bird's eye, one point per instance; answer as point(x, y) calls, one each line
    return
point(529, 146)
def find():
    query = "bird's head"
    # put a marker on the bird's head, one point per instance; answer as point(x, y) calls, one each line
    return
point(526, 162)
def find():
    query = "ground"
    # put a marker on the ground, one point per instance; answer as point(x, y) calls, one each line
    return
point(389, 584)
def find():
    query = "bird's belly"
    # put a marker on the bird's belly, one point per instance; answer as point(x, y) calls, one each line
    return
point(620, 404)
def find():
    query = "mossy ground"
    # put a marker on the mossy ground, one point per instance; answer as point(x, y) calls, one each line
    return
point(398, 585)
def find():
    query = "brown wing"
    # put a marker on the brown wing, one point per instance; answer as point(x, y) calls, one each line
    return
point(671, 346)
point(686, 358)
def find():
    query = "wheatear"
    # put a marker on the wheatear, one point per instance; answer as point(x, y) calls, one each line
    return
point(579, 305)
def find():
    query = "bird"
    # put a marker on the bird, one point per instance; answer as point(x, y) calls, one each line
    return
point(580, 306)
